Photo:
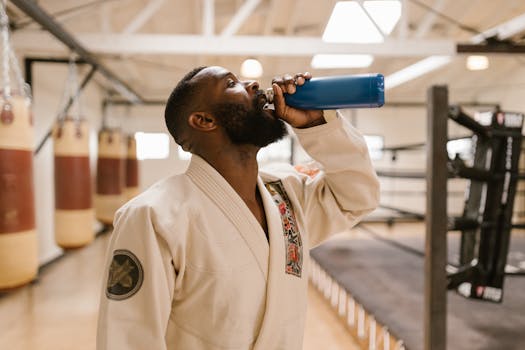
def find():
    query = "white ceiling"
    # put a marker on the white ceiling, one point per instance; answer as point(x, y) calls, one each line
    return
point(150, 44)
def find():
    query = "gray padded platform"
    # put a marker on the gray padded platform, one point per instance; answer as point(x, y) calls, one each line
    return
point(388, 282)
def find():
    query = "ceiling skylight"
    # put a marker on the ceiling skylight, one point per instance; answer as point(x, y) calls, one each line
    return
point(323, 61)
point(386, 13)
point(349, 23)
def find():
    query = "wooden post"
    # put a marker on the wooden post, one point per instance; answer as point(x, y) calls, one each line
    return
point(435, 314)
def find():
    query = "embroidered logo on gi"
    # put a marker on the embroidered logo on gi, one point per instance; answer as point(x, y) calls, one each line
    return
point(292, 236)
point(125, 275)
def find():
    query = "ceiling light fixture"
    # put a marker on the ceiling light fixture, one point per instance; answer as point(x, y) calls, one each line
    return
point(251, 68)
point(386, 13)
point(477, 62)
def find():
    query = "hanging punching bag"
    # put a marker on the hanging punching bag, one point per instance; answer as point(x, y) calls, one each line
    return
point(111, 176)
point(132, 169)
point(73, 196)
point(18, 242)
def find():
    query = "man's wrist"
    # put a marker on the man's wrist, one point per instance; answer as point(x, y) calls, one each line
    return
point(326, 117)
point(319, 121)
point(329, 115)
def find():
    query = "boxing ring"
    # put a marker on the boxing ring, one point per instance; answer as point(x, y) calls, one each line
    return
point(392, 291)
point(387, 287)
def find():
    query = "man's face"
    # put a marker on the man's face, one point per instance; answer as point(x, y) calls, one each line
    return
point(239, 107)
point(249, 125)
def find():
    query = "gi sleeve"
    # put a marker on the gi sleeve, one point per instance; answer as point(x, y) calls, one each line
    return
point(138, 285)
point(347, 188)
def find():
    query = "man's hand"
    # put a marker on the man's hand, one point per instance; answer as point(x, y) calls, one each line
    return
point(297, 118)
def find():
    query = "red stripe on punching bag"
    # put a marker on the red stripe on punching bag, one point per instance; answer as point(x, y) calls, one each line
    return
point(111, 176)
point(72, 183)
point(132, 172)
point(17, 209)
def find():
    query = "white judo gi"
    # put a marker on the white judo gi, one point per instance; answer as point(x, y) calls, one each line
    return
point(190, 268)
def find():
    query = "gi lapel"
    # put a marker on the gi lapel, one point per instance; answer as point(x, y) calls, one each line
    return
point(232, 205)
point(277, 273)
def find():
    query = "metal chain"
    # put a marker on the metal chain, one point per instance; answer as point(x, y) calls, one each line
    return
point(74, 89)
point(63, 101)
point(22, 85)
point(4, 23)
point(9, 59)
point(71, 92)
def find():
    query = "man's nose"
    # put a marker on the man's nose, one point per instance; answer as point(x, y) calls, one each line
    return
point(251, 86)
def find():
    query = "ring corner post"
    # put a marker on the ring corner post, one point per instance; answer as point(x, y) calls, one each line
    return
point(435, 288)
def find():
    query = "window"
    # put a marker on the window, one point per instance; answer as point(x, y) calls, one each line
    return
point(152, 145)
point(375, 145)
point(183, 155)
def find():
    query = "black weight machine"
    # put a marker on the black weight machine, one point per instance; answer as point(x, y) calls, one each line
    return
point(486, 222)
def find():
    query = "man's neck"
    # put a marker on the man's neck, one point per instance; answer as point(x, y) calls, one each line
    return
point(238, 165)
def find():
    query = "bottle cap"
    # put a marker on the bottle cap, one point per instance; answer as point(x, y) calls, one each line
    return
point(269, 95)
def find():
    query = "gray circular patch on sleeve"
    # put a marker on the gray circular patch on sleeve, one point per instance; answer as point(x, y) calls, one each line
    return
point(125, 275)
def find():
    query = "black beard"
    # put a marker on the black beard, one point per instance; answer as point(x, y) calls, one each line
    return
point(252, 126)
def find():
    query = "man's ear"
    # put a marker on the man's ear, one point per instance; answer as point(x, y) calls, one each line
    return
point(202, 121)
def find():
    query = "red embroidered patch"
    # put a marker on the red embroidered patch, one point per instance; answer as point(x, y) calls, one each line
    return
point(292, 236)
point(307, 170)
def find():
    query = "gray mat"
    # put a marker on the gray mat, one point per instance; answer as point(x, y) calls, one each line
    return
point(388, 282)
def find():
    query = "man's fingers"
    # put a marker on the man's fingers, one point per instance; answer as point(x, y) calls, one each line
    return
point(278, 99)
point(299, 79)
point(289, 83)
point(281, 109)
point(278, 92)
point(277, 80)
point(281, 82)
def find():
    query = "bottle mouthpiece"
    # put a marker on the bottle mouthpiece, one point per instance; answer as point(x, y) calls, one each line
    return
point(269, 95)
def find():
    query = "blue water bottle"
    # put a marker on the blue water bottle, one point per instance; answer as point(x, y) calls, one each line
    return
point(337, 92)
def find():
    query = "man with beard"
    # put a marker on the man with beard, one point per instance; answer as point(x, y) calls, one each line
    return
point(217, 257)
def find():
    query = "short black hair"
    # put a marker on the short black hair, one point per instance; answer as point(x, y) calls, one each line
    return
point(179, 103)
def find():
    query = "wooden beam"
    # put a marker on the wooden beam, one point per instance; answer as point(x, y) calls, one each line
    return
point(161, 44)
point(143, 16)
point(240, 17)
point(428, 21)
point(208, 17)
